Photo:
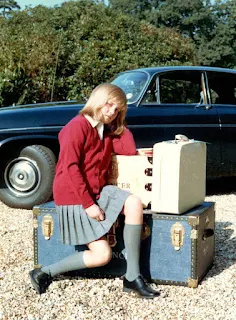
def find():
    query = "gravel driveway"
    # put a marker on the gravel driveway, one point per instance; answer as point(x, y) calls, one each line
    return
point(69, 299)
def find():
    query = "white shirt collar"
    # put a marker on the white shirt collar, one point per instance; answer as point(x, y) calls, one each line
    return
point(100, 129)
point(95, 123)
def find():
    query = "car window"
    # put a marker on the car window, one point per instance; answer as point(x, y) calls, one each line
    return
point(152, 93)
point(177, 87)
point(214, 96)
point(222, 86)
point(132, 83)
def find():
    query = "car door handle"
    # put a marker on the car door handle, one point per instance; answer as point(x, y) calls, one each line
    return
point(203, 106)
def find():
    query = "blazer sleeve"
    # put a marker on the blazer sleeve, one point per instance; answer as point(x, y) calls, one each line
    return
point(71, 145)
point(124, 144)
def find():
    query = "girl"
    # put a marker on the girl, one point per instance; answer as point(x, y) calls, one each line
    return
point(87, 208)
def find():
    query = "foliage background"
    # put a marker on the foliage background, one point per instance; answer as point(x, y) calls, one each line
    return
point(60, 53)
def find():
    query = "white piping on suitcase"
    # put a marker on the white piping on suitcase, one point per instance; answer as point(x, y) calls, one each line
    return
point(159, 194)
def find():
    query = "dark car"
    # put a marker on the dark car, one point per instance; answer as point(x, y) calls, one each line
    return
point(199, 102)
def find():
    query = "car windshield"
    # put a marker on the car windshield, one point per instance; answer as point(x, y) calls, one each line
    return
point(132, 83)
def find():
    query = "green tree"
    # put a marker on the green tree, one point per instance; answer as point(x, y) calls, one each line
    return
point(63, 52)
point(210, 25)
point(137, 8)
point(103, 42)
point(6, 6)
point(28, 57)
point(191, 18)
point(219, 47)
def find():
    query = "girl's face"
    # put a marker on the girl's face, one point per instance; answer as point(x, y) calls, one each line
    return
point(109, 111)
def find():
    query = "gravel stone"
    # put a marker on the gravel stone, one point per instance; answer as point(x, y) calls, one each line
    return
point(95, 299)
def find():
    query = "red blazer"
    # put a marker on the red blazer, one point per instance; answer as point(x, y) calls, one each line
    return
point(84, 160)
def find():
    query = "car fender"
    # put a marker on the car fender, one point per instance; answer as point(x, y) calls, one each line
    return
point(32, 138)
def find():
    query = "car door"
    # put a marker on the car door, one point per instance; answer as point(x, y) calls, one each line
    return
point(176, 102)
point(222, 89)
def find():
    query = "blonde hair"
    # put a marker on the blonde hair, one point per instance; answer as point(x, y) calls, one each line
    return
point(99, 97)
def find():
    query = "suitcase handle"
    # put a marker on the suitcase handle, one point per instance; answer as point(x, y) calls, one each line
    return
point(180, 138)
point(207, 234)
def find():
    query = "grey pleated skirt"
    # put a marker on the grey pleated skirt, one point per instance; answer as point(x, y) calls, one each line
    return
point(77, 228)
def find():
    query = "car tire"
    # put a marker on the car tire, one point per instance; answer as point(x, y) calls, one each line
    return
point(27, 177)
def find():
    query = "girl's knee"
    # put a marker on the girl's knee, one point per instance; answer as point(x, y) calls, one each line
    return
point(133, 210)
point(99, 253)
point(134, 202)
point(104, 256)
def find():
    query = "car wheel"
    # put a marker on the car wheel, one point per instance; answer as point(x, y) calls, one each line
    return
point(27, 178)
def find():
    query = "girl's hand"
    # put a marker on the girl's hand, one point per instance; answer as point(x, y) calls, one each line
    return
point(95, 212)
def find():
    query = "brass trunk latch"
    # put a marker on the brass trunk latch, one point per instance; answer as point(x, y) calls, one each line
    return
point(145, 231)
point(47, 226)
point(177, 235)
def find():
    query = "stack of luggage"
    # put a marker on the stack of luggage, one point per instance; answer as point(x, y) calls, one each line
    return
point(178, 232)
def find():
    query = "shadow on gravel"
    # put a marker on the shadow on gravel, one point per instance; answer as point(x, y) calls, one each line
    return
point(221, 186)
point(225, 246)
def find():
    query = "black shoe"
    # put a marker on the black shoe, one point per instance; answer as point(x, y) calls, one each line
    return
point(40, 280)
point(140, 287)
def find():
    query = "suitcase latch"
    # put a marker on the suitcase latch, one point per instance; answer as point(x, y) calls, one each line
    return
point(47, 226)
point(148, 186)
point(148, 172)
point(177, 235)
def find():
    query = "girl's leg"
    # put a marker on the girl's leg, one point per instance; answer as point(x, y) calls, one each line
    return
point(133, 211)
point(133, 281)
point(99, 254)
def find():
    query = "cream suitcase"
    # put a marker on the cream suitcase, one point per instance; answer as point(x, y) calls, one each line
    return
point(133, 173)
point(179, 175)
point(170, 178)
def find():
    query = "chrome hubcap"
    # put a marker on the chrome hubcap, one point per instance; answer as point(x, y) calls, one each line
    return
point(22, 175)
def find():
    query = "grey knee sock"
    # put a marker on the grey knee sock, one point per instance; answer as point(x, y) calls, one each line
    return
point(73, 262)
point(132, 238)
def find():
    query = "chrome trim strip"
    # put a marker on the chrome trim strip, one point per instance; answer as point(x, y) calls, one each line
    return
point(194, 125)
point(31, 128)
